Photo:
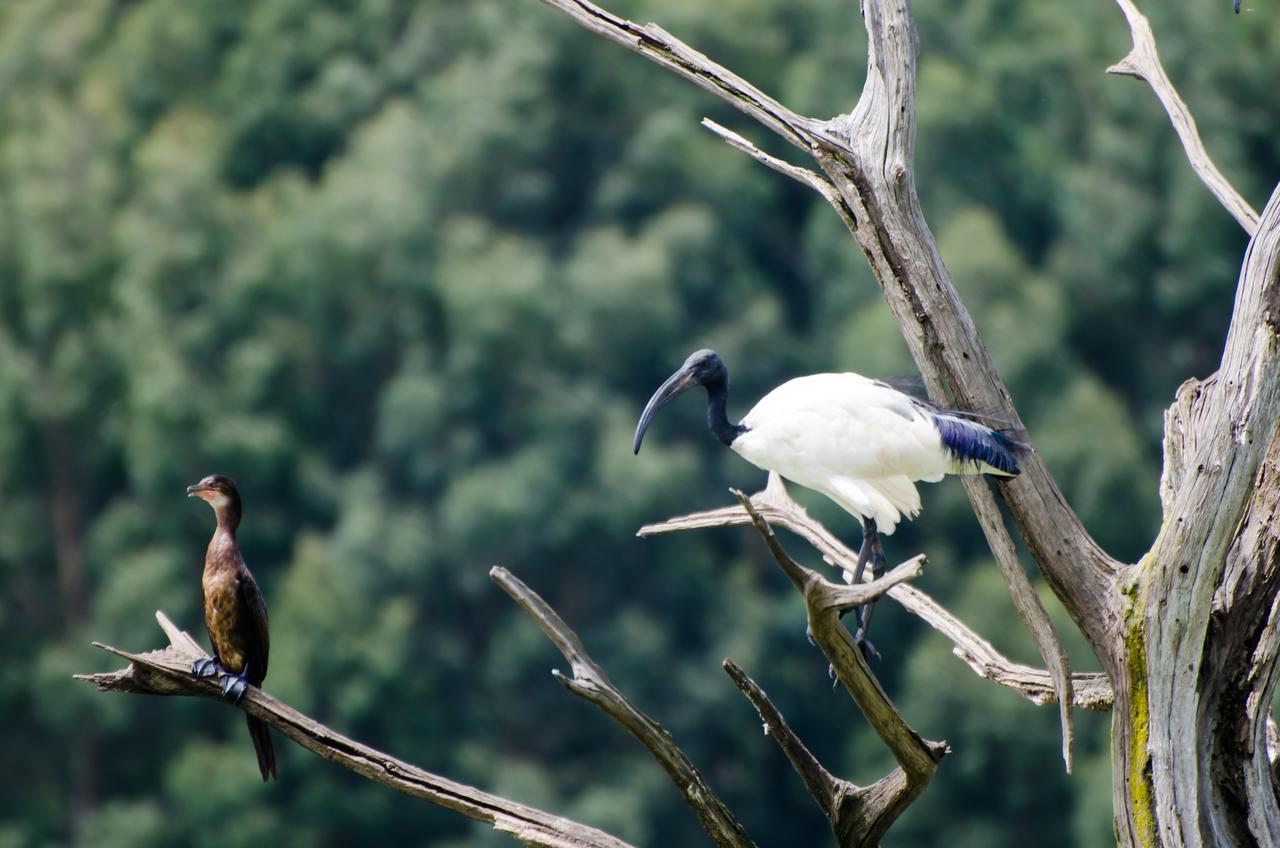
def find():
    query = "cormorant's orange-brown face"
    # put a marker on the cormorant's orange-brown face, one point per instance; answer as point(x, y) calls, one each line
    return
point(217, 489)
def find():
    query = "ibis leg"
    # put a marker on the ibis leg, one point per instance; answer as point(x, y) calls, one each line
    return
point(863, 553)
point(877, 560)
point(870, 540)
point(866, 554)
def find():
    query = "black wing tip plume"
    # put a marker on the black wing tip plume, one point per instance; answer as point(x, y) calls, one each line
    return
point(968, 441)
point(266, 754)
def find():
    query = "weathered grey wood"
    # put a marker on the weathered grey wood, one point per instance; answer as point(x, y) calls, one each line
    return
point(168, 672)
point(1089, 691)
point(1028, 604)
point(863, 815)
point(1205, 591)
point(587, 680)
point(1143, 62)
point(845, 804)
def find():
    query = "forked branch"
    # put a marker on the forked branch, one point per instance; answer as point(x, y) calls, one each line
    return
point(866, 814)
point(168, 672)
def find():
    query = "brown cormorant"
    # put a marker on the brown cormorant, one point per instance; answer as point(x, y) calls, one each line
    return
point(234, 612)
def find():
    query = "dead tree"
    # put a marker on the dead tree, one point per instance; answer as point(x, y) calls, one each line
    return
point(1187, 636)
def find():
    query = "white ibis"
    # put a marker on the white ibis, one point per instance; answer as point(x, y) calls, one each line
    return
point(860, 442)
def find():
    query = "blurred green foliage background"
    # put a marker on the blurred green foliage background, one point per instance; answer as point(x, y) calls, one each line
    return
point(409, 270)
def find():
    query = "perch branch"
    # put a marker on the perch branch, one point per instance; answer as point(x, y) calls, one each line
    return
point(917, 757)
point(589, 681)
point(1089, 691)
point(1143, 62)
point(168, 672)
point(843, 802)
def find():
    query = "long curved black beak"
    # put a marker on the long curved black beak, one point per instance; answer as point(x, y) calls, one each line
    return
point(676, 384)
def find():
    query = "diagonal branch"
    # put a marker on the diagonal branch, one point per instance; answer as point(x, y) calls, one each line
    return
point(917, 757)
point(663, 48)
point(878, 185)
point(589, 681)
point(1143, 62)
point(1089, 691)
point(168, 672)
point(844, 803)
point(815, 181)
point(1027, 603)
point(825, 787)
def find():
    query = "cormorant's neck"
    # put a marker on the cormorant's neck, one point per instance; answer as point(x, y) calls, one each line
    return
point(228, 519)
point(717, 420)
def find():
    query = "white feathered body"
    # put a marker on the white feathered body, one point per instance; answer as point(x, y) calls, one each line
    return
point(860, 442)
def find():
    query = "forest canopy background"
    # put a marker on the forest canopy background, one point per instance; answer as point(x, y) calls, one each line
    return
point(408, 271)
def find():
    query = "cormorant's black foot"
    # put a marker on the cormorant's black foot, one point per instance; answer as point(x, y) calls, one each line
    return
point(233, 687)
point(869, 651)
point(206, 667)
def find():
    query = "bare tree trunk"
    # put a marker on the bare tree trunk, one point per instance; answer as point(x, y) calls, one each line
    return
point(1199, 640)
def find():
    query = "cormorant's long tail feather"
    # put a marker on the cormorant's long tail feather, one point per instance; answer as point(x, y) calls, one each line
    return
point(262, 747)
point(968, 441)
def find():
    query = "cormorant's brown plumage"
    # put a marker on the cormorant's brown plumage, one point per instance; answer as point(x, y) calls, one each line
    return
point(234, 612)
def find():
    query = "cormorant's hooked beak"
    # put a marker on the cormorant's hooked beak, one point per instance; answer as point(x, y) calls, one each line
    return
point(196, 491)
point(676, 384)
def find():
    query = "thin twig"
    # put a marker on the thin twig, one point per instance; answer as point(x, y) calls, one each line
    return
point(589, 681)
point(168, 672)
point(661, 47)
point(812, 179)
point(1143, 62)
